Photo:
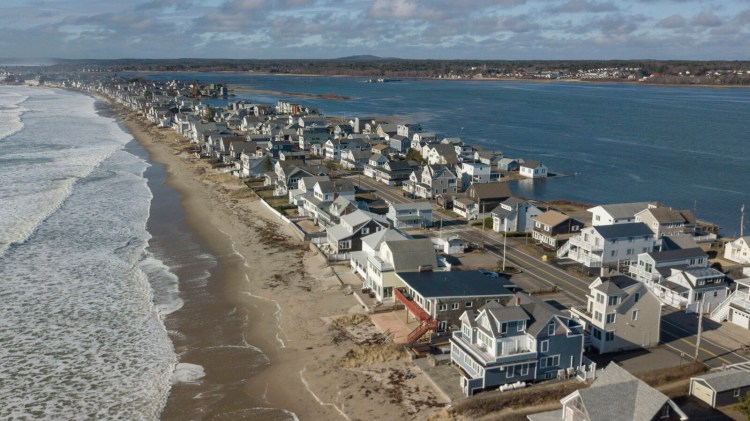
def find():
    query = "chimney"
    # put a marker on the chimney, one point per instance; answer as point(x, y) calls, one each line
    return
point(603, 272)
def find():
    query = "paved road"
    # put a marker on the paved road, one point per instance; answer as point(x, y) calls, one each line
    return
point(677, 331)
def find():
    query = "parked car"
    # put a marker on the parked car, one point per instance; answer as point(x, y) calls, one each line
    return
point(489, 273)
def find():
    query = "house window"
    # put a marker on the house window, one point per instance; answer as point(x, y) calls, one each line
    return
point(551, 329)
point(365, 230)
point(636, 297)
point(521, 325)
point(454, 306)
point(665, 411)
point(612, 300)
point(600, 298)
point(610, 318)
point(468, 304)
point(610, 336)
point(509, 371)
point(545, 346)
point(634, 315)
point(597, 333)
point(613, 253)
point(503, 328)
point(698, 296)
point(737, 393)
point(598, 316)
point(443, 307)
point(525, 370)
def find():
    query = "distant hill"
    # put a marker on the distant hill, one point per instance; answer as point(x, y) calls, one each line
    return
point(364, 57)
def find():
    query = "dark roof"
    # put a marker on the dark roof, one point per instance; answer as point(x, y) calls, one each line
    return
point(677, 254)
point(541, 312)
point(454, 284)
point(494, 190)
point(634, 229)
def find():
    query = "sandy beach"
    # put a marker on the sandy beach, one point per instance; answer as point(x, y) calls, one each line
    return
point(278, 297)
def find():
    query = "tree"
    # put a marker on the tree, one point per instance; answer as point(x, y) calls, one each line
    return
point(267, 164)
point(744, 406)
point(414, 155)
point(208, 114)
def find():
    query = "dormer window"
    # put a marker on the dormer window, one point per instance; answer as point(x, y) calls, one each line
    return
point(551, 328)
point(503, 328)
point(612, 300)
point(521, 325)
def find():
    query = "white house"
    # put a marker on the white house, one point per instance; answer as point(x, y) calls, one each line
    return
point(472, 172)
point(533, 169)
point(608, 244)
point(514, 215)
point(687, 288)
point(618, 213)
point(738, 251)
point(654, 267)
point(736, 308)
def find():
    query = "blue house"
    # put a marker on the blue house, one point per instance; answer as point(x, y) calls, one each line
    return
point(527, 340)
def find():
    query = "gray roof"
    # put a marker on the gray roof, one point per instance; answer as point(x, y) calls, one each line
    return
point(422, 205)
point(555, 415)
point(374, 240)
point(624, 210)
point(615, 284)
point(506, 313)
point(541, 312)
point(721, 381)
point(617, 395)
point(338, 186)
point(454, 284)
point(678, 254)
point(634, 229)
point(409, 255)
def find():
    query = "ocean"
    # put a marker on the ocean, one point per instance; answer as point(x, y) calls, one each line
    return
point(684, 146)
point(83, 294)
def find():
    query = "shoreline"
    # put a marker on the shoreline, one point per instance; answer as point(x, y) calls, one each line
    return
point(428, 78)
point(287, 309)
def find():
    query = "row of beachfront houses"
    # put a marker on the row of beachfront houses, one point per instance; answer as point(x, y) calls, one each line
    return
point(647, 255)
point(243, 134)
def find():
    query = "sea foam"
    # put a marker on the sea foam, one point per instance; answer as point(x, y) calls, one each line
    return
point(81, 334)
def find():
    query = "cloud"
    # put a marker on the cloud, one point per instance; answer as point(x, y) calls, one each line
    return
point(393, 9)
point(436, 10)
point(672, 22)
point(584, 6)
point(706, 19)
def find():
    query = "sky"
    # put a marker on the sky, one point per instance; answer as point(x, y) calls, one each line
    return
point(424, 29)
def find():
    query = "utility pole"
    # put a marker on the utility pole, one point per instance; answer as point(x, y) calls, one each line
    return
point(482, 225)
point(700, 329)
point(505, 242)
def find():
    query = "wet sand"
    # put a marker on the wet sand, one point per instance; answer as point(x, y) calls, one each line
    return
point(272, 326)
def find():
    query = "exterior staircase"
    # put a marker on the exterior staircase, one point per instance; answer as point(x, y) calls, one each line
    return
point(719, 314)
point(563, 250)
point(424, 327)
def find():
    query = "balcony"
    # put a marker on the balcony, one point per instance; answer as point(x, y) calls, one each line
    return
point(408, 301)
point(578, 242)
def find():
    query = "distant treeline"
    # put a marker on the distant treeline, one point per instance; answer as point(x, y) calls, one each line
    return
point(677, 72)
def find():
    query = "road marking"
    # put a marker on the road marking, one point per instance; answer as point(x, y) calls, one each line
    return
point(711, 353)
